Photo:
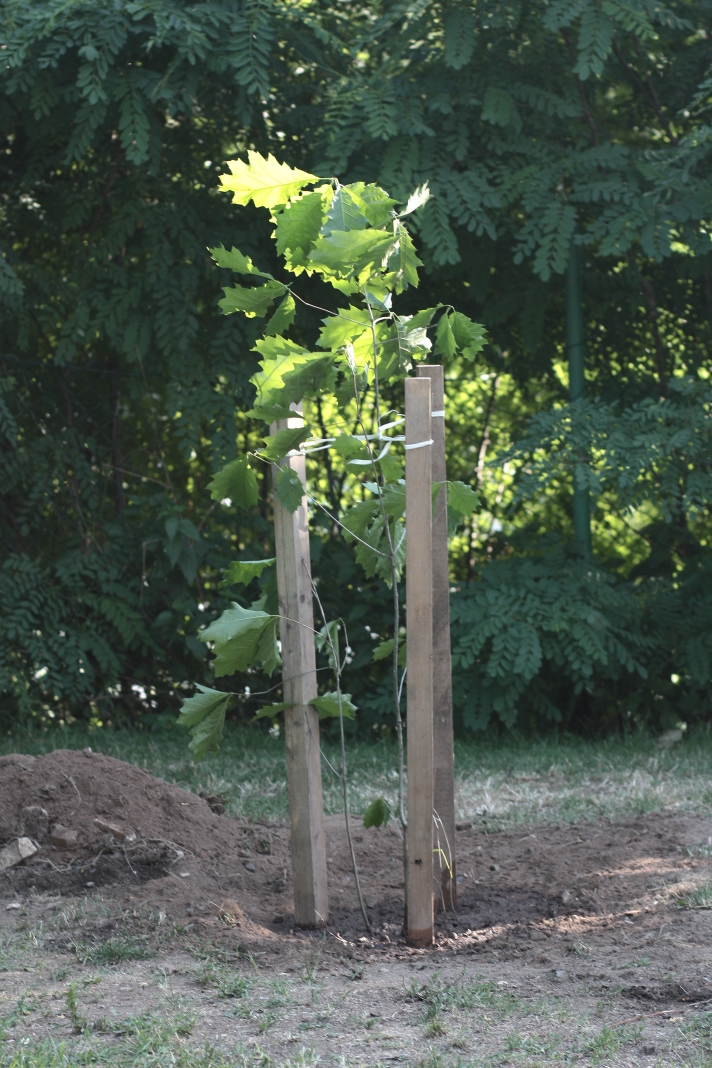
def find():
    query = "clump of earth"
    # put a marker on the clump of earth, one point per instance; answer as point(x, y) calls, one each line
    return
point(103, 825)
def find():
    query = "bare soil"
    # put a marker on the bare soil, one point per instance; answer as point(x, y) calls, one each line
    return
point(593, 908)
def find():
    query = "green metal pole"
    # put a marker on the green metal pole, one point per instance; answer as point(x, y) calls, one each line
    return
point(577, 382)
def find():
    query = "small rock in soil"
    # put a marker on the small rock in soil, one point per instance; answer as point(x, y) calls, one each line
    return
point(16, 852)
point(63, 836)
point(115, 829)
point(250, 867)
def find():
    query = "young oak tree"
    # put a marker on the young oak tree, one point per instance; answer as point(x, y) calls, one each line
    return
point(353, 238)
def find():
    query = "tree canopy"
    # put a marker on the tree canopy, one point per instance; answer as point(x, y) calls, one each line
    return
point(123, 388)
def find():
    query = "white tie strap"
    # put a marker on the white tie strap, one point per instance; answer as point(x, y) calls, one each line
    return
point(419, 444)
point(437, 415)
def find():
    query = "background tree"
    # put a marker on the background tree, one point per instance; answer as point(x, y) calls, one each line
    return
point(536, 124)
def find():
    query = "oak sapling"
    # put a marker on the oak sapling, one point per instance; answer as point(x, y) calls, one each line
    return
point(355, 239)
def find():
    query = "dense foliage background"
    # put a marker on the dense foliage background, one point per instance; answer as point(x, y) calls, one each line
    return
point(537, 125)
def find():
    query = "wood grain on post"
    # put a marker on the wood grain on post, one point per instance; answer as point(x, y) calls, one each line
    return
point(301, 724)
point(443, 754)
point(419, 632)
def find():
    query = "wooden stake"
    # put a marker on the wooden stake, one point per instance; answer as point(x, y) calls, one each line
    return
point(419, 629)
point(301, 724)
point(443, 754)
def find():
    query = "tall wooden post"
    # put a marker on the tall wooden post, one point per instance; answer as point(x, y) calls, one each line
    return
point(301, 724)
point(443, 754)
point(419, 630)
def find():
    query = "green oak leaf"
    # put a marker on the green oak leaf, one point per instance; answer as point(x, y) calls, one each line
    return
point(346, 252)
point(469, 336)
point(281, 443)
point(244, 571)
point(350, 323)
point(385, 649)
point(391, 467)
point(204, 715)
point(445, 342)
point(461, 498)
point(377, 814)
point(234, 260)
point(298, 227)
point(346, 212)
point(279, 355)
point(271, 413)
point(377, 205)
point(237, 482)
point(238, 639)
point(255, 301)
point(307, 376)
point(328, 705)
point(283, 317)
point(404, 260)
point(268, 650)
point(289, 489)
point(348, 447)
point(270, 711)
point(265, 182)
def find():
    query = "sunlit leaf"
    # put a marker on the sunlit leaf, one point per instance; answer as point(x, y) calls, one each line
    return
point(255, 301)
point(298, 226)
point(349, 324)
point(345, 212)
point(404, 260)
point(417, 198)
point(308, 376)
point(264, 181)
point(327, 640)
point(283, 317)
point(351, 251)
point(235, 261)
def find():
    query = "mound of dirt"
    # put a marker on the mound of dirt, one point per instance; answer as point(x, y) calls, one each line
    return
point(98, 821)
point(82, 802)
point(107, 828)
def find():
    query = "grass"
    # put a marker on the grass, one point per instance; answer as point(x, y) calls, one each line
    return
point(115, 951)
point(144, 1040)
point(501, 783)
point(700, 897)
point(439, 996)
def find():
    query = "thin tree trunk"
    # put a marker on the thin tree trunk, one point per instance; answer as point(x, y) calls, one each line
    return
point(116, 462)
